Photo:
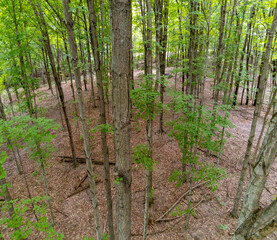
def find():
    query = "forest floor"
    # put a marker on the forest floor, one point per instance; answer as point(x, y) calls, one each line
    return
point(74, 214)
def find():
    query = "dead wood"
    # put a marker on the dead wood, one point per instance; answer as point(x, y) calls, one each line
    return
point(178, 200)
point(81, 181)
point(78, 191)
point(82, 160)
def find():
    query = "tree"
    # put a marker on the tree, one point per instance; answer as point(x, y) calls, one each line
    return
point(102, 112)
point(253, 219)
point(121, 38)
point(263, 81)
point(74, 60)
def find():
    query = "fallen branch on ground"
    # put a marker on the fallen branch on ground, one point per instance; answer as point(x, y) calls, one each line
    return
point(82, 160)
point(81, 181)
point(180, 198)
point(78, 191)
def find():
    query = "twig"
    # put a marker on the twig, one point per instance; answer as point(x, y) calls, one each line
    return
point(60, 212)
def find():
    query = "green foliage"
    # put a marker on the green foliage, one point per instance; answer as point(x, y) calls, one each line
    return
point(179, 212)
point(107, 128)
point(142, 155)
point(21, 225)
point(223, 227)
point(34, 134)
point(144, 98)
point(197, 127)
point(118, 180)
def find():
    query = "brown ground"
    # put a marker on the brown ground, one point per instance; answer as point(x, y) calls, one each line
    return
point(74, 215)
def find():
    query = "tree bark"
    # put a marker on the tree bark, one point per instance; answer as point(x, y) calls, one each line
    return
point(121, 38)
point(249, 219)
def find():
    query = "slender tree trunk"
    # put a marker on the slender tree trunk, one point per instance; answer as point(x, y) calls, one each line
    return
point(147, 36)
point(102, 112)
point(74, 60)
point(47, 71)
point(89, 60)
point(47, 192)
point(163, 26)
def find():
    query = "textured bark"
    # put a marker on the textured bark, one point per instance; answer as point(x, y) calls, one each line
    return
point(264, 76)
point(102, 113)
point(74, 60)
point(121, 30)
point(266, 222)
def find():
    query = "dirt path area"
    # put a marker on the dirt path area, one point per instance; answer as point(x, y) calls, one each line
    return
point(74, 215)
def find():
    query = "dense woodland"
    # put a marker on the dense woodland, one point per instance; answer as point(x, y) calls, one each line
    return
point(143, 119)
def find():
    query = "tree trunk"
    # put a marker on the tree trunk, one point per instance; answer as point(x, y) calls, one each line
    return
point(163, 43)
point(89, 59)
point(121, 38)
point(102, 113)
point(74, 60)
point(256, 186)
point(46, 70)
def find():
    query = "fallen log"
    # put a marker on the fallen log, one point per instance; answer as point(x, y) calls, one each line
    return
point(82, 160)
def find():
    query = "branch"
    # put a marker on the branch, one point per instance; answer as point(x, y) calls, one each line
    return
point(54, 10)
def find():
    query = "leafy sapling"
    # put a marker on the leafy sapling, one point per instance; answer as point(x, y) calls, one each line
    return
point(19, 225)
